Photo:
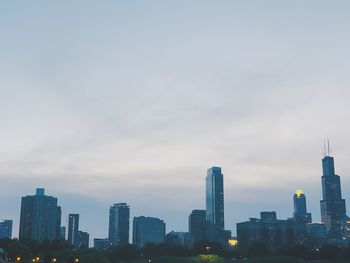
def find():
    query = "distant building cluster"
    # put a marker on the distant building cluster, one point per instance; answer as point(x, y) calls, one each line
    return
point(40, 219)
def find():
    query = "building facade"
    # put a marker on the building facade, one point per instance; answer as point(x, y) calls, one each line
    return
point(101, 243)
point(215, 205)
point(83, 239)
point(272, 231)
point(333, 210)
point(119, 224)
point(197, 225)
point(300, 213)
point(73, 229)
point(6, 229)
point(147, 230)
point(40, 217)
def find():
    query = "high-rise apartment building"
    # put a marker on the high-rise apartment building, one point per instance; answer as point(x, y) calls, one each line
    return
point(147, 230)
point(6, 229)
point(73, 229)
point(40, 217)
point(333, 210)
point(300, 213)
point(119, 221)
point(197, 225)
point(215, 205)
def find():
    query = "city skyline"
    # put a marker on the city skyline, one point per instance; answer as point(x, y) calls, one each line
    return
point(121, 102)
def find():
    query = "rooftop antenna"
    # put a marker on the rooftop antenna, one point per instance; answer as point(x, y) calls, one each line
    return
point(326, 147)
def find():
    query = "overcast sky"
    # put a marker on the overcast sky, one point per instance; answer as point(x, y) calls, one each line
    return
point(131, 101)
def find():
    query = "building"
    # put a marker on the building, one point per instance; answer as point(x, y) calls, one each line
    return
point(300, 213)
point(147, 230)
point(179, 239)
point(40, 217)
point(101, 243)
point(73, 229)
point(270, 230)
point(215, 205)
point(333, 210)
point(63, 233)
point(6, 229)
point(317, 235)
point(83, 239)
point(197, 225)
point(119, 221)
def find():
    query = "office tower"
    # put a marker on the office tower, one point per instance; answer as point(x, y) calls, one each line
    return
point(197, 225)
point(73, 228)
point(40, 217)
point(63, 233)
point(272, 231)
point(333, 210)
point(6, 229)
point(83, 239)
point(119, 220)
point(147, 230)
point(215, 204)
point(101, 243)
point(300, 214)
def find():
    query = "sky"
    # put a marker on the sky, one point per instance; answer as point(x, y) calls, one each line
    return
point(132, 101)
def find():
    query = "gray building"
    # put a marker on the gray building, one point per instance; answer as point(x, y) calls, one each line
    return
point(215, 205)
point(179, 239)
point(40, 217)
point(119, 224)
point(197, 225)
point(272, 231)
point(300, 213)
point(101, 243)
point(63, 233)
point(333, 210)
point(73, 229)
point(317, 235)
point(83, 239)
point(6, 229)
point(147, 230)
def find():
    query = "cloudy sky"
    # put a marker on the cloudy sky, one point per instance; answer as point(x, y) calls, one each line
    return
point(131, 101)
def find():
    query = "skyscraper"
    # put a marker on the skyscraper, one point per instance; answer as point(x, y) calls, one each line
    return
point(147, 230)
point(6, 229)
point(119, 221)
point(300, 214)
point(40, 217)
point(73, 229)
point(333, 209)
point(83, 239)
point(215, 204)
point(197, 225)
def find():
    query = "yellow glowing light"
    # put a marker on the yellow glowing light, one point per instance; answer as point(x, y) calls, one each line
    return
point(299, 192)
point(18, 258)
point(233, 242)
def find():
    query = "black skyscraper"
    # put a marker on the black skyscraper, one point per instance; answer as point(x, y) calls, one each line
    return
point(332, 206)
point(40, 217)
point(300, 213)
point(197, 225)
point(73, 229)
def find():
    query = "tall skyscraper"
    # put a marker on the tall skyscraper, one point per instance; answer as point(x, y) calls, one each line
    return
point(197, 225)
point(40, 217)
point(147, 230)
point(6, 229)
point(300, 213)
point(333, 209)
point(73, 229)
point(215, 204)
point(63, 233)
point(119, 221)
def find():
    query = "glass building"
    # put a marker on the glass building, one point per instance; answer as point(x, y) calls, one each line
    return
point(300, 213)
point(73, 229)
point(6, 229)
point(197, 225)
point(40, 217)
point(215, 205)
point(333, 210)
point(119, 221)
point(147, 230)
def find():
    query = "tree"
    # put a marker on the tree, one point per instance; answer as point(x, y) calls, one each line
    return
point(258, 249)
point(17, 249)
